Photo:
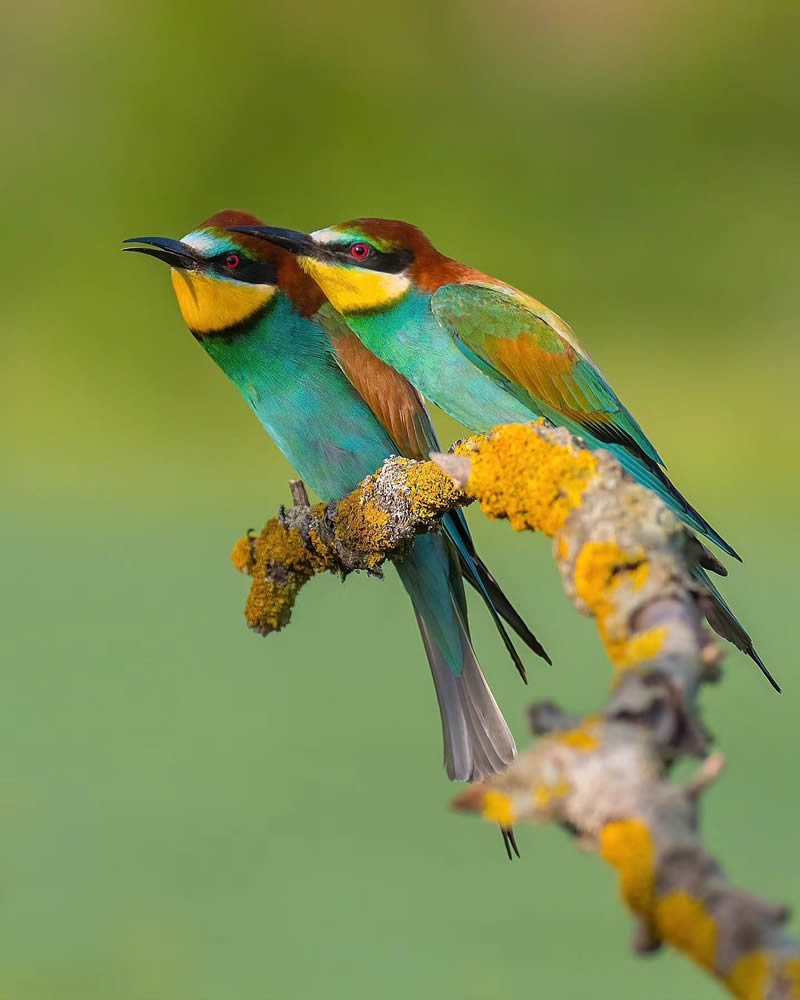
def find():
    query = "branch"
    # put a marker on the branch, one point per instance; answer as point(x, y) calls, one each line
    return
point(626, 561)
point(373, 523)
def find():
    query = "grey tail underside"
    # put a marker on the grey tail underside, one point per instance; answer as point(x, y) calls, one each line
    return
point(477, 740)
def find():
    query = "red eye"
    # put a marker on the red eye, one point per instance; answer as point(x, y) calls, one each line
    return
point(232, 261)
point(359, 250)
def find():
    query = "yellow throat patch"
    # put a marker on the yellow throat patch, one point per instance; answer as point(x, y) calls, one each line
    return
point(210, 304)
point(351, 289)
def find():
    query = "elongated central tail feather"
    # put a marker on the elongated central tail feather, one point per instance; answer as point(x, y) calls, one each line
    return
point(477, 574)
point(725, 623)
point(649, 474)
point(477, 740)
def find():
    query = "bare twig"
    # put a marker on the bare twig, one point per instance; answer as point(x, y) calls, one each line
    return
point(298, 490)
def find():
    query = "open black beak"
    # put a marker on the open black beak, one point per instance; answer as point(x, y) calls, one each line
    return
point(289, 239)
point(172, 252)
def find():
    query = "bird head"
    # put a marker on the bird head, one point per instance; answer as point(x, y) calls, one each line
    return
point(225, 281)
point(363, 265)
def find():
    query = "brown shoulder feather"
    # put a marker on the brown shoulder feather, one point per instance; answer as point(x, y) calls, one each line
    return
point(391, 397)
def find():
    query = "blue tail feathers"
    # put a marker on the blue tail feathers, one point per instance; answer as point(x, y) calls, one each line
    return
point(498, 605)
point(477, 740)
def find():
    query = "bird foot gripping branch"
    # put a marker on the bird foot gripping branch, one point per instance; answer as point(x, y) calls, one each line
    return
point(626, 561)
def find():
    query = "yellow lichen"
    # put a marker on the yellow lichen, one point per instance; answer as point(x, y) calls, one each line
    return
point(468, 446)
point(602, 566)
point(748, 977)
point(242, 554)
point(641, 647)
point(497, 808)
point(321, 550)
point(281, 564)
point(431, 491)
point(627, 845)
point(361, 523)
point(582, 737)
point(791, 973)
point(543, 795)
point(600, 569)
point(685, 923)
point(534, 483)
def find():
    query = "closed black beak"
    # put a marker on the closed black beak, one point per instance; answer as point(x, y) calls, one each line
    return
point(172, 252)
point(288, 239)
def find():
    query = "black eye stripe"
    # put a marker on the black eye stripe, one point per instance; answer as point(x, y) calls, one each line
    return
point(253, 272)
point(391, 261)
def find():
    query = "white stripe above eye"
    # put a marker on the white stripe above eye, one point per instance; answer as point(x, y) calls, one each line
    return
point(203, 243)
point(328, 236)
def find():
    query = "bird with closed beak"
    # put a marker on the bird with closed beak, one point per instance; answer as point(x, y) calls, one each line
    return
point(487, 354)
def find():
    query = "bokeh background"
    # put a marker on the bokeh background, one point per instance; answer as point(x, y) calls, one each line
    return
point(190, 811)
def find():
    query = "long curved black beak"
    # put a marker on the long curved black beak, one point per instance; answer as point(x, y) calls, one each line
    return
point(172, 252)
point(289, 239)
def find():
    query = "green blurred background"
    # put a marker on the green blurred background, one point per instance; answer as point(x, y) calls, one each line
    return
point(191, 811)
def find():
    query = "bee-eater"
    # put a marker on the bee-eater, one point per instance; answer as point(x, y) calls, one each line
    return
point(485, 352)
point(336, 412)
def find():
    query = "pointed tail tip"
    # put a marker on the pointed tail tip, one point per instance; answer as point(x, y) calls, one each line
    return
point(534, 645)
point(711, 533)
point(763, 667)
point(726, 547)
point(517, 660)
point(509, 841)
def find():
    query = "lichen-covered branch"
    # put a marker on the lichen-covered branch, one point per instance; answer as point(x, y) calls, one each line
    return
point(626, 561)
point(359, 532)
point(602, 778)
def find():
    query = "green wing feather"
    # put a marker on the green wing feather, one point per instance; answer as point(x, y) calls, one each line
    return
point(520, 341)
